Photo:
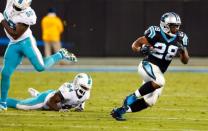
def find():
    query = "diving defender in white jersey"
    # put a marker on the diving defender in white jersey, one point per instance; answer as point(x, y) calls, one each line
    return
point(16, 21)
point(69, 95)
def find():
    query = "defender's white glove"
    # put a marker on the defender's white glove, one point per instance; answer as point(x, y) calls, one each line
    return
point(63, 110)
point(1, 17)
point(79, 109)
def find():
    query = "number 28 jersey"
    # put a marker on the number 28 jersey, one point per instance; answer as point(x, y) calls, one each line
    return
point(165, 47)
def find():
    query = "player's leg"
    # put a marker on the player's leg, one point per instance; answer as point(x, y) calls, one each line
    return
point(12, 103)
point(150, 74)
point(34, 103)
point(12, 59)
point(145, 101)
point(31, 51)
point(152, 98)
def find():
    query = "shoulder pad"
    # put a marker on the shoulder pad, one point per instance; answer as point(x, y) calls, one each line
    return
point(156, 28)
point(151, 31)
point(28, 17)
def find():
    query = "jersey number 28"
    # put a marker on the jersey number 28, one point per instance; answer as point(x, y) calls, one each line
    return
point(164, 51)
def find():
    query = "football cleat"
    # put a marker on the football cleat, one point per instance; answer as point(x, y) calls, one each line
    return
point(33, 92)
point(115, 113)
point(3, 106)
point(67, 55)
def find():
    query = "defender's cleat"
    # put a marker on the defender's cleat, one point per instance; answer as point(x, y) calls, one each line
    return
point(33, 92)
point(3, 106)
point(117, 115)
point(67, 55)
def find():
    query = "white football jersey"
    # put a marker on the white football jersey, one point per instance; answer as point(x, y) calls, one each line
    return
point(13, 17)
point(69, 94)
point(68, 91)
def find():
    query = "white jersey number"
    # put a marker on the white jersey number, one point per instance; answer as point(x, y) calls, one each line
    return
point(160, 49)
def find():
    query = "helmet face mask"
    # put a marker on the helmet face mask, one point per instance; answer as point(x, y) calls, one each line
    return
point(81, 90)
point(16, 8)
point(170, 23)
point(83, 83)
point(20, 5)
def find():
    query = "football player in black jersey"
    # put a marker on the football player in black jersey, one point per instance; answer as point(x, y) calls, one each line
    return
point(159, 45)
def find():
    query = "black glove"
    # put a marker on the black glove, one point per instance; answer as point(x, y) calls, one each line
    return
point(146, 49)
point(180, 47)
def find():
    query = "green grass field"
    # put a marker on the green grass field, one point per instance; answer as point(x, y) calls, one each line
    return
point(182, 106)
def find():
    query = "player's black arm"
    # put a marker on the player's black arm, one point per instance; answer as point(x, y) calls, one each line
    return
point(184, 56)
point(137, 44)
point(15, 33)
point(54, 100)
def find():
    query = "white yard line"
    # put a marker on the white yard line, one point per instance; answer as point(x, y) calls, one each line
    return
point(78, 114)
point(96, 127)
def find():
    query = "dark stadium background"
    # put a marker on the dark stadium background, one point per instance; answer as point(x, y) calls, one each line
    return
point(108, 27)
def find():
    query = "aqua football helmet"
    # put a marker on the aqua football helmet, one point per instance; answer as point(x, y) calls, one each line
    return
point(22, 4)
point(83, 83)
point(169, 20)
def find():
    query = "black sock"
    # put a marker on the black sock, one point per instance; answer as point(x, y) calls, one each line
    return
point(146, 88)
point(138, 105)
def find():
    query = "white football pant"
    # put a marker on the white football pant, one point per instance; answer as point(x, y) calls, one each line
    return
point(151, 72)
